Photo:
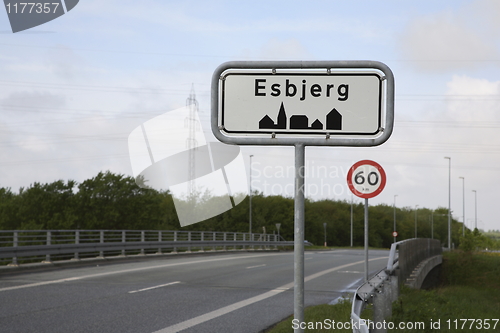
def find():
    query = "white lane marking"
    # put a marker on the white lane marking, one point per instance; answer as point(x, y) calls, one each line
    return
point(350, 272)
point(256, 266)
point(230, 308)
point(330, 251)
point(133, 270)
point(159, 286)
point(350, 287)
point(307, 258)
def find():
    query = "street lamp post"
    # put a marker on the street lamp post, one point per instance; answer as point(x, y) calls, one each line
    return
point(250, 202)
point(475, 214)
point(463, 204)
point(395, 216)
point(416, 221)
point(432, 225)
point(449, 202)
point(324, 226)
point(351, 217)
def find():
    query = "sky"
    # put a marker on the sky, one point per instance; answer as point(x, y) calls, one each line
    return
point(73, 89)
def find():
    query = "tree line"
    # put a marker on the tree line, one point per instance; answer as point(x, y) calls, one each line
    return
point(114, 201)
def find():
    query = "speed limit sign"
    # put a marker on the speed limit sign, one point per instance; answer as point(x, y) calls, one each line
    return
point(366, 179)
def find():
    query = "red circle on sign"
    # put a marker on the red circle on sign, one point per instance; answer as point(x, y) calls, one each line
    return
point(376, 188)
point(394, 234)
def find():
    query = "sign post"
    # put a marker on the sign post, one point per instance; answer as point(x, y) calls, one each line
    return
point(302, 103)
point(366, 179)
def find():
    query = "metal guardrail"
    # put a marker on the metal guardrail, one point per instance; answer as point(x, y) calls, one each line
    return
point(383, 288)
point(49, 245)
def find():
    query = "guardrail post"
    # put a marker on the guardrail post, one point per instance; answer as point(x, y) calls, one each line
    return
point(189, 240)
point(48, 242)
point(224, 239)
point(101, 240)
point(202, 239)
point(15, 243)
point(159, 240)
point(142, 241)
point(175, 240)
point(244, 239)
point(235, 238)
point(77, 241)
point(214, 238)
point(124, 239)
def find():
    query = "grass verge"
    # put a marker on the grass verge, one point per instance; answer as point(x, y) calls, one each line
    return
point(321, 317)
point(469, 289)
point(468, 299)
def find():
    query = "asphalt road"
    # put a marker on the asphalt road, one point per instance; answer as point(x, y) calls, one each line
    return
point(233, 292)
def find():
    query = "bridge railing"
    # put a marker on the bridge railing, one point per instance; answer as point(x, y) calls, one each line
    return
point(383, 288)
point(49, 245)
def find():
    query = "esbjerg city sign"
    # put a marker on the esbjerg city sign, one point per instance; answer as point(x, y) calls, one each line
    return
point(325, 103)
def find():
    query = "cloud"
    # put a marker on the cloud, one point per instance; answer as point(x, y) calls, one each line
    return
point(473, 99)
point(34, 99)
point(450, 40)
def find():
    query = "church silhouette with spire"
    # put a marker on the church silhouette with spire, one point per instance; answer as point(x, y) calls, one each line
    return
point(268, 123)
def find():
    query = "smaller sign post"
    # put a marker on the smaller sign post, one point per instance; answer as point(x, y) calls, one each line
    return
point(366, 179)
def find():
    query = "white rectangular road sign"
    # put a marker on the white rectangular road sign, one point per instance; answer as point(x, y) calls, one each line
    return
point(315, 103)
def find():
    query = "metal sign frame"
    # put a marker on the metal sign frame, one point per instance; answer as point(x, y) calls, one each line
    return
point(386, 104)
point(294, 68)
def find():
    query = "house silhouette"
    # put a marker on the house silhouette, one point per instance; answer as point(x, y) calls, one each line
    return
point(334, 120)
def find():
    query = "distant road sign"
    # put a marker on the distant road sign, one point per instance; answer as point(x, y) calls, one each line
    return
point(366, 179)
point(343, 103)
point(394, 234)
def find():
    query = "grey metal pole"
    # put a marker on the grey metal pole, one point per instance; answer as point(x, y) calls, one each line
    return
point(250, 200)
point(142, 241)
point(15, 243)
point(124, 239)
point(463, 204)
point(101, 240)
point(416, 221)
point(175, 240)
point(49, 242)
point(432, 225)
point(298, 290)
point(351, 218)
point(77, 241)
point(159, 240)
point(475, 195)
point(395, 216)
point(449, 204)
point(366, 240)
point(324, 226)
